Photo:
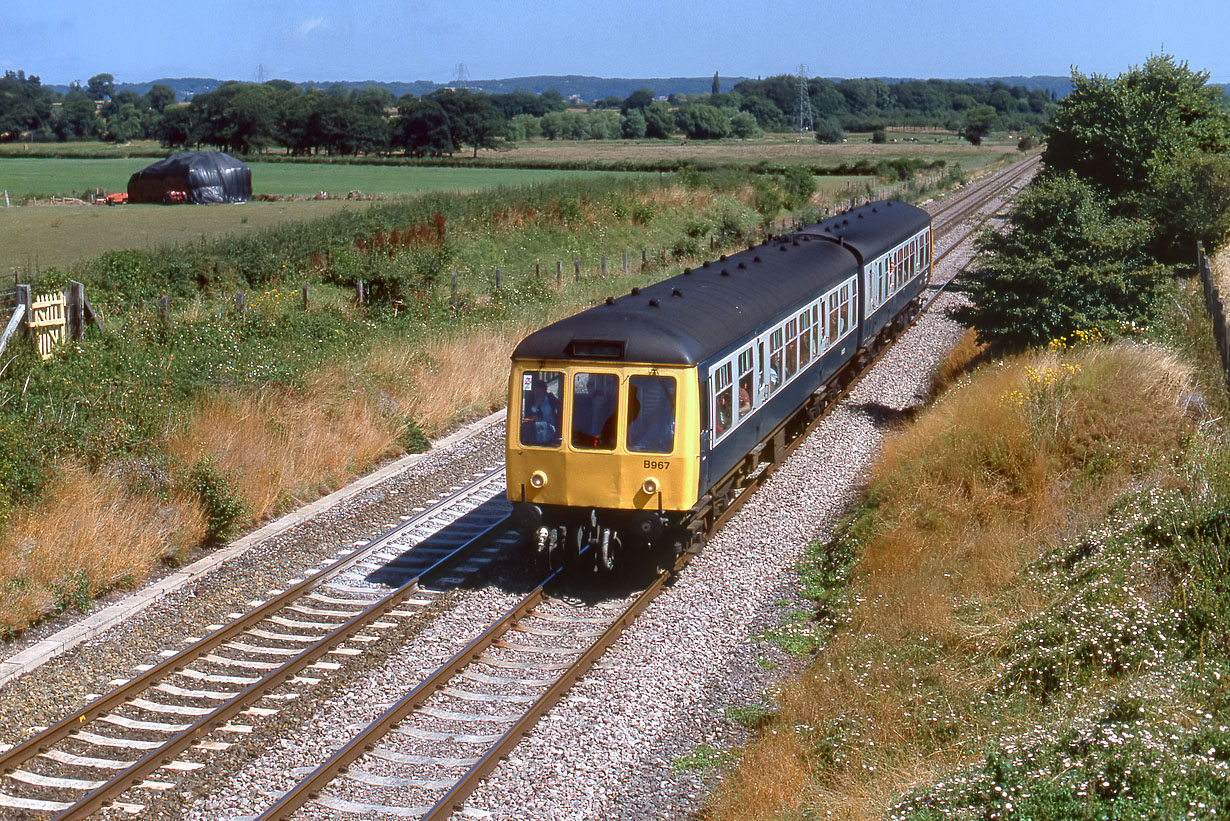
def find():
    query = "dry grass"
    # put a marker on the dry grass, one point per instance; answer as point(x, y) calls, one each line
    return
point(1220, 265)
point(93, 533)
point(1024, 455)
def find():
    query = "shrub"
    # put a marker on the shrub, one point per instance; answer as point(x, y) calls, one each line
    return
point(829, 130)
point(224, 507)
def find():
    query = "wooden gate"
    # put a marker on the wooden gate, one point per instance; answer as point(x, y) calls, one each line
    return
point(46, 322)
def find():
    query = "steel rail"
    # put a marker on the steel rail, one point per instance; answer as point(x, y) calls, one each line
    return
point(168, 666)
point(103, 795)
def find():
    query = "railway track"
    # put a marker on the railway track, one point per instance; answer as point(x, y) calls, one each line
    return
point(197, 700)
point(427, 752)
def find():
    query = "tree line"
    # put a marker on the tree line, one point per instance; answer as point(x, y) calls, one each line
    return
point(248, 118)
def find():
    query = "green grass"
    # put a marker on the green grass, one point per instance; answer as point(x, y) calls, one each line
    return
point(43, 177)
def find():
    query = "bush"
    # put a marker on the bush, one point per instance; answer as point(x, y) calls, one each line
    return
point(798, 184)
point(879, 136)
point(1189, 202)
point(1064, 265)
point(221, 501)
point(829, 130)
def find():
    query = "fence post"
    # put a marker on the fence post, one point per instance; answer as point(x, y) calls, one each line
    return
point(452, 289)
point(559, 274)
point(164, 307)
point(499, 276)
point(644, 260)
point(625, 262)
point(576, 267)
point(76, 310)
point(307, 294)
point(358, 291)
point(603, 267)
point(537, 273)
point(25, 296)
point(239, 303)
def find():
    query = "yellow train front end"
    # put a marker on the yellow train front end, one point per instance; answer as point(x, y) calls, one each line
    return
point(601, 455)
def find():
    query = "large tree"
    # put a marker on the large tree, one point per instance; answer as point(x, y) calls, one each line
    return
point(472, 118)
point(1110, 131)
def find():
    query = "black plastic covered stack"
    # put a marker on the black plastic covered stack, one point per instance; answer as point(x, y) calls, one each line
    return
point(192, 176)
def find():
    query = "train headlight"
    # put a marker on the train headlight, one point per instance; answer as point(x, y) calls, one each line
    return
point(538, 479)
point(650, 486)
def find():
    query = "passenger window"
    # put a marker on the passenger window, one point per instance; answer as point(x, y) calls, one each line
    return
point(805, 339)
point(833, 319)
point(595, 402)
point(721, 400)
point(540, 408)
point(792, 347)
point(747, 379)
point(775, 360)
point(651, 414)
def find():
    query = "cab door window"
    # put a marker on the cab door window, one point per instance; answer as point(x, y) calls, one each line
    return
point(595, 405)
point(651, 414)
point(540, 408)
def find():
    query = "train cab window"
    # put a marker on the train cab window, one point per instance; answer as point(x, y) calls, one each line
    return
point(651, 414)
point(595, 404)
point(540, 408)
point(747, 381)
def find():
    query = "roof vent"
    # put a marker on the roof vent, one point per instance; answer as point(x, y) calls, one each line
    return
point(828, 228)
point(721, 257)
point(687, 272)
point(725, 272)
point(756, 258)
point(610, 300)
point(845, 222)
point(860, 215)
point(635, 291)
point(875, 210)
point(705, 264)
point(781, 248)
point(653, 303)
point(796, 242)
point(889, 204)
point(742, 266)
point(676, 292)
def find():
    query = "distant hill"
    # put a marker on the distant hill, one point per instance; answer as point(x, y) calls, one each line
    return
point(583, 87)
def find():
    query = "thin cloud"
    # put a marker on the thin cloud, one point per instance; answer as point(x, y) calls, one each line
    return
point(310, 25)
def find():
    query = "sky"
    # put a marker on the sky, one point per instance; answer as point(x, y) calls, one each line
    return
point(322, 40)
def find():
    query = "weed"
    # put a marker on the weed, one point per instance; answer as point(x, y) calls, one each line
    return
point(704, 758)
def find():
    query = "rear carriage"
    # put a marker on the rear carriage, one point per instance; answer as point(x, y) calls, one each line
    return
point(632, 423)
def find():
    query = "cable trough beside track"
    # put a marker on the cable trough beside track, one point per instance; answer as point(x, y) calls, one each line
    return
point(425, 754)
point(190, 705)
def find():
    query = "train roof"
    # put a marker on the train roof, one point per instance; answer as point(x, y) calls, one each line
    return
point(699, 314)
point(872, 228)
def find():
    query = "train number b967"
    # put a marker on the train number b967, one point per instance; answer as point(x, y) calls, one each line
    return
point(653, 464)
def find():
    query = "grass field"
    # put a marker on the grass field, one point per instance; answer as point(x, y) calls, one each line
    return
point(40, 237)
point(42, 177)
point(36, 238)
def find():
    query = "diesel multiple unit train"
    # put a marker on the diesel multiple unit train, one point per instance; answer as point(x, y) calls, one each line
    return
point(633, 424)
